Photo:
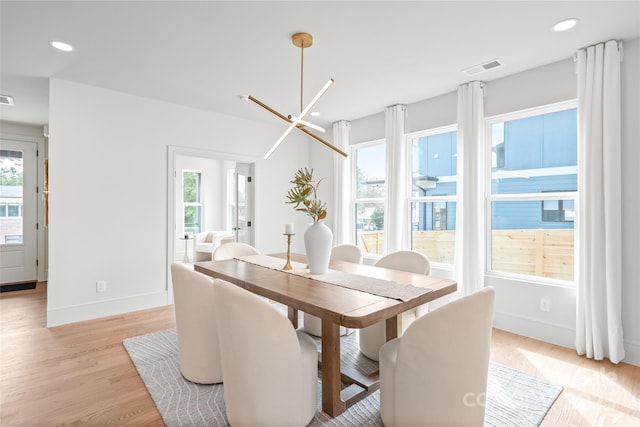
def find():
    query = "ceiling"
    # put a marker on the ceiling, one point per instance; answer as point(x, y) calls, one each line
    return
point(208, 54)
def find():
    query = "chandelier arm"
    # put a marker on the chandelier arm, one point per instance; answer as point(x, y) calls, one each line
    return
point(317, 138)
point(292, 125)
point(303, 113)
point(279, 141)
point(315, 99)
point(271, 110)
point(305, 123)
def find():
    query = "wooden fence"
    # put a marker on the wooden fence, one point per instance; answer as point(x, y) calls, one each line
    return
point(538, 252)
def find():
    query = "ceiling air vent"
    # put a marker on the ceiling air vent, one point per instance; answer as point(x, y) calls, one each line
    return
point(6, 100)
point(477, 69)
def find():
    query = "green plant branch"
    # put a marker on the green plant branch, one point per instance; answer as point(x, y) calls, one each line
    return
point(299, 195)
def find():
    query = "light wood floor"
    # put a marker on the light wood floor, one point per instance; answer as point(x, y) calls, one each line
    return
point(81, 373)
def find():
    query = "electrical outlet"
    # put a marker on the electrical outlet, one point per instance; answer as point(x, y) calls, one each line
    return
point(101, 286)
point(545, 304)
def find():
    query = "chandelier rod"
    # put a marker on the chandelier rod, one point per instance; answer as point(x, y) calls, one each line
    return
point(301, 72)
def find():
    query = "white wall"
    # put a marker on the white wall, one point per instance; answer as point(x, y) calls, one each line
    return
point(108, 193)
point(517, 304)
point(12, 129)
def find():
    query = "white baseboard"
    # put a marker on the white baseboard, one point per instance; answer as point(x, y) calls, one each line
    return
point(78, 313)
point(534, 328)
point(632, 353)
point(553, 333)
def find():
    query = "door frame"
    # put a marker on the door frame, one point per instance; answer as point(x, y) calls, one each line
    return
point(249, 171)
point(172, 152)
point(42, 231)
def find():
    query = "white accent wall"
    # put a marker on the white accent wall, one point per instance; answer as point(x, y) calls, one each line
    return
point(108, 193)
point(517, 304)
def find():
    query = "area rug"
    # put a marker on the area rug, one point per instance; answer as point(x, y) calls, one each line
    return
point(514, 398)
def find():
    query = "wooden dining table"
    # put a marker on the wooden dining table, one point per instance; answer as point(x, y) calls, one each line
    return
point(336, 306)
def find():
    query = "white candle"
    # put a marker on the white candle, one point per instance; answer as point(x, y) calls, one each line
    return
point(288, 229)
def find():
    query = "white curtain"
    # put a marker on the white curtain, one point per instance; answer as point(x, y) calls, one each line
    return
point(599, 241)
point(343, 220)
point(469, 250)
point(396, 222)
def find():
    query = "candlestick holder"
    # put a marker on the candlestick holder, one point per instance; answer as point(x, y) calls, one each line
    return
point(288, 265)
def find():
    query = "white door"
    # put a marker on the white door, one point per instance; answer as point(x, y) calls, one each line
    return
point(18, 211)
point(243, 218)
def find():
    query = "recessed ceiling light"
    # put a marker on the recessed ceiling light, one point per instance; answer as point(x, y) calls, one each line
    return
point(565, 25)
point(315, 113)
point(65, 47)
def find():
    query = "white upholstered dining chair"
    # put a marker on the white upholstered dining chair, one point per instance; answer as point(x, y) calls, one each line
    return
point(196, 325)
point(436, 373)
point(270, 370)
point(373, 337)
point(233, 249)
point(348, 253)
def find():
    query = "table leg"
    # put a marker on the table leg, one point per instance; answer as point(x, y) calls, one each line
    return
point(185, 258)
point(293, 316)
point(332, 402)
point(394, 325)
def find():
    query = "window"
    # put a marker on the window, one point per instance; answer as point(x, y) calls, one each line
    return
point(192, 202)
point(557, 210)
point(369, 178)
point(11, 200)
point(532, 188)
point(13, 239)
point(13, 210)
point(433, 193)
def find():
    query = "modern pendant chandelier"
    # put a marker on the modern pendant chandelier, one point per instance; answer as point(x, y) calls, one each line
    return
point(301, 40)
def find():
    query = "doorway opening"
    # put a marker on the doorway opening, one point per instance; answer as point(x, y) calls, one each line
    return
point(210, 202)
point(18, 215)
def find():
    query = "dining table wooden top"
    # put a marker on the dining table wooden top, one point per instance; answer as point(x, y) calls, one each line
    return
point(344, 306)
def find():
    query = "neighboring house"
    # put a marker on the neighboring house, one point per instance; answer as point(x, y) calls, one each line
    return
point(530, 155)
point(10, 214)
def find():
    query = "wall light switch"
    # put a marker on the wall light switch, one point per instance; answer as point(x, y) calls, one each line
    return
point(545, 304)
point(101, 286)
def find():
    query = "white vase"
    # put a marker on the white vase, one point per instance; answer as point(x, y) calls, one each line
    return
point(317, 243)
